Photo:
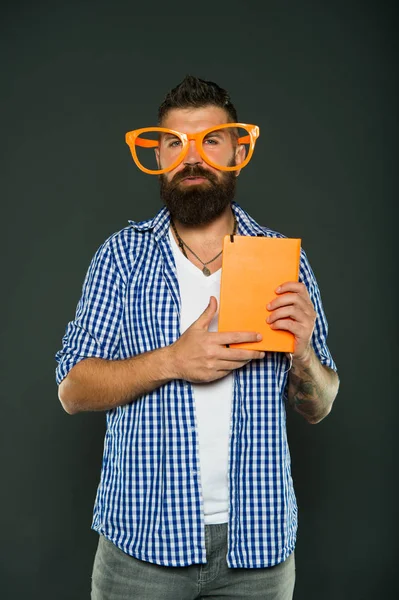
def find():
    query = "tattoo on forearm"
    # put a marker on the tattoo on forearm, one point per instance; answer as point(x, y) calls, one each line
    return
point(312, 389)
point(305, 396)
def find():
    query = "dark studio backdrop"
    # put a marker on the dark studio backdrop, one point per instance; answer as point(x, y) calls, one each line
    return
point(320, 80)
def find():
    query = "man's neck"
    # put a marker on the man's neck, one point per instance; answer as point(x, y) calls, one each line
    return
point(209, 236)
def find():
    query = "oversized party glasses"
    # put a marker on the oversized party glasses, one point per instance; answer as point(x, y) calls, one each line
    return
point(152, 146)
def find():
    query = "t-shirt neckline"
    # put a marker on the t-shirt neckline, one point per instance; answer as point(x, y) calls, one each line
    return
point(187, 263)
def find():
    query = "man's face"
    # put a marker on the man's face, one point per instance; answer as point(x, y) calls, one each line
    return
point(194, 192)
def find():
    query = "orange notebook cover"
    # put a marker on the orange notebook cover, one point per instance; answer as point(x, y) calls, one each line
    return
point(252, 269)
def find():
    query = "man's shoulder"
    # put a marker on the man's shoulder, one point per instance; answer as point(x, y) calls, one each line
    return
point(122, 247)
point(123, 240)
point(271, 232)
point(126, 239)
point(249, 226)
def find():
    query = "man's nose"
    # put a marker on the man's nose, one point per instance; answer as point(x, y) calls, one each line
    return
point(193, 157)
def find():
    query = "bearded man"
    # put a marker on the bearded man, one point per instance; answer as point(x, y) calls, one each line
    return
point(195, 498)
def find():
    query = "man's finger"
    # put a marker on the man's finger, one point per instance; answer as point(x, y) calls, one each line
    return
point(236, 337)
point(287, 299)
point(239, 354)
point(204, 320)
point(291, 286)
point(286, 312)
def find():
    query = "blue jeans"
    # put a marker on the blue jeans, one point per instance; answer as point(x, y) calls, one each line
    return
point(118, 576)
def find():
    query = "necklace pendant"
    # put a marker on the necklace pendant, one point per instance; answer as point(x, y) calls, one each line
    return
point(206, 271)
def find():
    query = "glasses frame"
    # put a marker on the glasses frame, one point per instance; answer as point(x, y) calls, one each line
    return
point(132, 139)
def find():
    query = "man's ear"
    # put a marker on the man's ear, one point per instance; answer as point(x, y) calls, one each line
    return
point(239, 157)
point(156, 150)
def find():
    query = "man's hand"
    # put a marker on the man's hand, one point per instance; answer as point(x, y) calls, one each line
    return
point(293, 311)
point(200, 356)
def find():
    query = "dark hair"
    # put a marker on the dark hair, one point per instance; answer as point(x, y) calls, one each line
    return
point(197, 93)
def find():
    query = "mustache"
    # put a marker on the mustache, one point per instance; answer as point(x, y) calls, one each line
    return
point(193, 171)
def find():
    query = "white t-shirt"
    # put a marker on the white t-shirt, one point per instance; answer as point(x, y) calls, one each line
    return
point(212, 400)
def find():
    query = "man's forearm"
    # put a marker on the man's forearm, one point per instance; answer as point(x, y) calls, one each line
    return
point(99, 384)
point(312, 388)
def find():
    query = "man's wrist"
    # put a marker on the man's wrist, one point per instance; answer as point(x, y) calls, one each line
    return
point(168, 363)
point(305, 360)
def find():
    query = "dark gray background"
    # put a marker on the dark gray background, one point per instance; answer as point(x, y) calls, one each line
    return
point(320, 80)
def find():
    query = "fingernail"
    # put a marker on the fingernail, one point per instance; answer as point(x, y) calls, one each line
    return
point(278, 289)
point(269, 306)
point(259, 337)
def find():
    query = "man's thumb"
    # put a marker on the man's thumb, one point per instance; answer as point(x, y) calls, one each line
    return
point(204, 320)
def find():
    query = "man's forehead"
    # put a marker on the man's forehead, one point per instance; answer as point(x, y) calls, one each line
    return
point(192, 120)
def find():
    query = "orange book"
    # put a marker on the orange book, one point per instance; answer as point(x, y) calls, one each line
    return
point(252, 269)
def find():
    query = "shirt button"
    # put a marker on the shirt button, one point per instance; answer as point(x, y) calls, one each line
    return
point(193, 473)
point(192, 429)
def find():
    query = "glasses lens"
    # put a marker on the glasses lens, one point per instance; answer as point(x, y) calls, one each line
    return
point(221, 146)
point(153, 142)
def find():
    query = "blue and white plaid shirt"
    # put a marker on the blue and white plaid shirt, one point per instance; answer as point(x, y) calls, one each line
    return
point(149, 501)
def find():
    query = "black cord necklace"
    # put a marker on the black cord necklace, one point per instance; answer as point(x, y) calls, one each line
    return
point(183, 245)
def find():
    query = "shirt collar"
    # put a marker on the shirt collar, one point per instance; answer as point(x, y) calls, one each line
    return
point(161, 222)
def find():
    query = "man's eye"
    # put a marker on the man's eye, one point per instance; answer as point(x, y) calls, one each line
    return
point(210, 141)
point(174, 143)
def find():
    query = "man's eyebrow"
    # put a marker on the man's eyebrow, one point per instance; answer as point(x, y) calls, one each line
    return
point(218, 132)
point(168, 135)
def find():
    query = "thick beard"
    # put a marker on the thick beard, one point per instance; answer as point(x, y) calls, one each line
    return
point(199, 204)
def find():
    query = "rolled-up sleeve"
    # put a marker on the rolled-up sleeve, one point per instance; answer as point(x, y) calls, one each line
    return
point(95, 331)
point(319, 337)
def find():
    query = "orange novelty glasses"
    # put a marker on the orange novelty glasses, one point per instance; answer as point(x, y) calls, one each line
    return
point(152, 146)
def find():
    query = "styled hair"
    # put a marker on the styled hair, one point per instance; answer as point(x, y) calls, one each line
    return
point(193, 92)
